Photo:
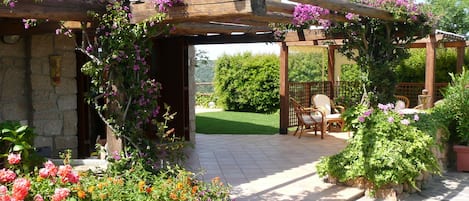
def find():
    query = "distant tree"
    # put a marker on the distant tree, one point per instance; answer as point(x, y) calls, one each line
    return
point(453, 15)
point(306, 67)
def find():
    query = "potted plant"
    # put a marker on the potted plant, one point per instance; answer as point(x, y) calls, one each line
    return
point(455, 110)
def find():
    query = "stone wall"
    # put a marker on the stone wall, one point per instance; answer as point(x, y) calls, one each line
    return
point(54, 114)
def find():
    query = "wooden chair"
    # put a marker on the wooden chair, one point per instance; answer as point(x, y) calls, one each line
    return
point(332, 113)
point(403, 99)
point(308, 117)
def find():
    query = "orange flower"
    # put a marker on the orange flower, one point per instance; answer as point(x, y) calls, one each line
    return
point(216, 180)
point(195, 189)
point(81, 194)
point(173, 196)
point(102, 196)
point(149, 189)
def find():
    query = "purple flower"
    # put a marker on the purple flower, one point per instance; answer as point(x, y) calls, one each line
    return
point(368, 113)
point(11, 4)
point(116, 155)
point(361, 119)
point(136, 67)
point(405, 122)
point(416, 117)
point(351, 16)
point(390, 119)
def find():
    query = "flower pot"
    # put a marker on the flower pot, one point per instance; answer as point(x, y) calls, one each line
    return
point(462, 157)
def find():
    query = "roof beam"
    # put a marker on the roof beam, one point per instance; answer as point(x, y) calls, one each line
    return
point(196, 10)
point(347, 6)
point(203, 28)
point(57, 10)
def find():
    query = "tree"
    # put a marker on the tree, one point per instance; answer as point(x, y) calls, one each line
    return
point(452, 15)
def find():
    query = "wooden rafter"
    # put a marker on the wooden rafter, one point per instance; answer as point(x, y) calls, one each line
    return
point(55, 10)
point(203, 28)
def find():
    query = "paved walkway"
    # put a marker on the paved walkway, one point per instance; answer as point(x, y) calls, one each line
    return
point(270, 167)
point(282, 167)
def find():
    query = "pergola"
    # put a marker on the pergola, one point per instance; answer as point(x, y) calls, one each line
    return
point(207, 22)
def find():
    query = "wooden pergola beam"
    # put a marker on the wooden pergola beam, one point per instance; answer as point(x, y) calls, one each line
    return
point(347, 6)
point(55, 10)
point(203, 28)
point(195, 10)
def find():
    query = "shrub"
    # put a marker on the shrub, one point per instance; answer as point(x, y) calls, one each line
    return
point(248, 83)
point(385, 149)
point(18, 139)
point(204, 99)
point(306, 66)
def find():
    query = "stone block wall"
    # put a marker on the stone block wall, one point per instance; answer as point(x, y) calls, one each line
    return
point(54, 108)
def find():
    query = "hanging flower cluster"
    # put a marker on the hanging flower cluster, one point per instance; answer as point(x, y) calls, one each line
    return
point(162, 5)
point(376, 45)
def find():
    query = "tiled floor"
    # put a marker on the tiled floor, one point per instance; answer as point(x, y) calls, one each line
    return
point(269, 167)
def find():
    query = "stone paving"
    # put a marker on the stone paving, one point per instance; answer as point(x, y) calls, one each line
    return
point(282, 167)
point(270, 167)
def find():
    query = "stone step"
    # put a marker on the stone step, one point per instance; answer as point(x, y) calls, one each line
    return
point(343, 193)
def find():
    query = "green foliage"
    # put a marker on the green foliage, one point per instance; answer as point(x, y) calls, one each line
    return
point(385, 149)
point(413, 68)
point(306, 67)
point(204, 99)
point(17, 138)
point(247, 82)
point(454, 111)
point(453, 15)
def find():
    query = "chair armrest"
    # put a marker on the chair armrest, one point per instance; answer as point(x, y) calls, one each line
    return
point(341, 108)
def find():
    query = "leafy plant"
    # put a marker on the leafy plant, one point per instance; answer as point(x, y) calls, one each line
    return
point(248, 83)
point(19, 139)
point(385, 149)
point(454, 111)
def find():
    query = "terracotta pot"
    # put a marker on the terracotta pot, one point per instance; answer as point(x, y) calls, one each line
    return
point(462, 157)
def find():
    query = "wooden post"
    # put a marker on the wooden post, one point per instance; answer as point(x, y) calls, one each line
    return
point(331, 69)
point(284, 93)
point(460, 59)
point(430, 69)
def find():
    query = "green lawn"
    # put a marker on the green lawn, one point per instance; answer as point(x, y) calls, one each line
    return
point(226, 122)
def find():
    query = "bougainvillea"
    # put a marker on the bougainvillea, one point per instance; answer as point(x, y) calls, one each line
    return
point(376, 45)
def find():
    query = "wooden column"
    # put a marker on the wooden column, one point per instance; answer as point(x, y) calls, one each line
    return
point(430, 68)
point(284, 93)
point(460, 59)
point(331, 68)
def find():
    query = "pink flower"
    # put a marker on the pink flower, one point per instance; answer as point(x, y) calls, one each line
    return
point(38, 197)
point(61, 194)
point(405, 122)
point(416, 117)
point(7, 176)
point(3, 190)
point(71, 177)
point(390, 119)
point(14, 158)
point(20, 188)
point(64, 170)
point(49, 170)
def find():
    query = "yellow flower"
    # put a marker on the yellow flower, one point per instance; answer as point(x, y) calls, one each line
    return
point(91, 189)
point(141, 184)
point(102, 196)
point(179, 186)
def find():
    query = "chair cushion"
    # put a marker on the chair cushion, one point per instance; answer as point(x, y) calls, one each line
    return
point(333, 116)
point(311, 119)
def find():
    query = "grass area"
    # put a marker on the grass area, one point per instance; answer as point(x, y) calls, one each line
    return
point(226, 122)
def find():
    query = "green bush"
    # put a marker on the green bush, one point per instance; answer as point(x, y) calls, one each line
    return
point(386, 149)
point(306, 67)
point(248, 83)
point(203, 99)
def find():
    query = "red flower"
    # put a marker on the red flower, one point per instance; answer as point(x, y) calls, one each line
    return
point(52, 169)
point(7, 176)
point(20, 188)
point(60, 194)
point(14, 158)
